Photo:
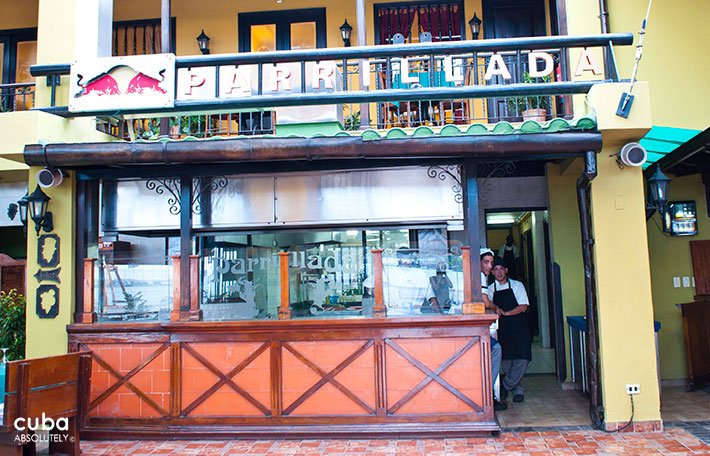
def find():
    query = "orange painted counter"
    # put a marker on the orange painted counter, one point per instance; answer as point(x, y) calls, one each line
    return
point(422, 376)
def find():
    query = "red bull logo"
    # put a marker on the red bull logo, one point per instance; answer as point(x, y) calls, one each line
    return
point(108, 83)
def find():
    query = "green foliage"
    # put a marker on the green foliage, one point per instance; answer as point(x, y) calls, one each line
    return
point(530, 102)
point(352, 121)
point(134, 302)
point(12, 324)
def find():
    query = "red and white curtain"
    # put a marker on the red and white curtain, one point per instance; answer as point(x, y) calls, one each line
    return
point(443, 21)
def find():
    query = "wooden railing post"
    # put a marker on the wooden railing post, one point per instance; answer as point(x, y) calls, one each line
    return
point(195, 311)
point(88, 315)
point(379, 310)
point(175, 313)
point(284, 308)
point(469, 307)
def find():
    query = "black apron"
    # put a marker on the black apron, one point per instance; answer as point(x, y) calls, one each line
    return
point(513, 331)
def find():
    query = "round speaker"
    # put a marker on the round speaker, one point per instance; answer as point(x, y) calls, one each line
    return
point(633, 154)
point(49, 177)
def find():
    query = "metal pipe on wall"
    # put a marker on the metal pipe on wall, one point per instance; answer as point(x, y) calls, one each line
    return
point(596, 409)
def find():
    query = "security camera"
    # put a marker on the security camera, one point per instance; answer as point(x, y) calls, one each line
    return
point(49, 177)
point(633, 154)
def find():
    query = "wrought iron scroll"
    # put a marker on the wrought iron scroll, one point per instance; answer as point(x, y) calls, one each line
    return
point(200, 184)
point(448, 171)
point(171, 188)
point(489, 170)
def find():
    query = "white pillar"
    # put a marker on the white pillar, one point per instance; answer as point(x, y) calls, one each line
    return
point(95, 34)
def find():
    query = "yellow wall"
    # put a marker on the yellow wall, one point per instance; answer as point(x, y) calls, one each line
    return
point(674, 58)
point(670, 257)
point(18, 14)
point(623, 289)
point(565, 236)
point(56, 44)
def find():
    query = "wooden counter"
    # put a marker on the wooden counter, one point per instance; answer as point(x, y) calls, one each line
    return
point(360, 377)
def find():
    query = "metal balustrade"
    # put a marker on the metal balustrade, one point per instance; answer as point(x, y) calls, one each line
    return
point(17, 97)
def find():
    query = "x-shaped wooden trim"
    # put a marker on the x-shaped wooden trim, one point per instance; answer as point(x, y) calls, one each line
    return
point(328, 377)
point(433, 375)
point(226, 379)
point(124, 379)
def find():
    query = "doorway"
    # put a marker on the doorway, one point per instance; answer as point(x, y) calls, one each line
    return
point(519, 237)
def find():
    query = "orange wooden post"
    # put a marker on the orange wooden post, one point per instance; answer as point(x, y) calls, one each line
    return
point(285, 308)
point(379, 309)
point(469, 307)
point(88, 315)
point(175, 313)
point(195, 311)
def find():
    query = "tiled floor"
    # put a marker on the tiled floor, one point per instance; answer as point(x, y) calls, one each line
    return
point(677, 404)
point(671, 442)
point(546, 404)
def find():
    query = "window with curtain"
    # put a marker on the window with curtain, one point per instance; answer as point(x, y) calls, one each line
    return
point(442, 20)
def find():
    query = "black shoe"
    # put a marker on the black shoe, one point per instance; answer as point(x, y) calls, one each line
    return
point(518, 398)
point(499, 405)
point(503, 394)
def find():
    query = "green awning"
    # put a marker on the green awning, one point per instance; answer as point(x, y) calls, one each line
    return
point(661, 141)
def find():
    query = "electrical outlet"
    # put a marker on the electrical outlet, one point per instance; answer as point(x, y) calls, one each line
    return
point(632, 388)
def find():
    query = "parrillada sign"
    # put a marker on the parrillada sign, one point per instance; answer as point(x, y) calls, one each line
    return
point(164, 83)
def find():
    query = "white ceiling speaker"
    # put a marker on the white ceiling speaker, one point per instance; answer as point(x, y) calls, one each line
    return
point(633, 154)
point(49, 177)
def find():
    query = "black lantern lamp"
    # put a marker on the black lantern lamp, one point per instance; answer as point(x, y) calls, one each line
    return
point(345, 31)
point(658, 185)
point(203, 42)
point(475, 24)
point(22, 209)
point(37, 203)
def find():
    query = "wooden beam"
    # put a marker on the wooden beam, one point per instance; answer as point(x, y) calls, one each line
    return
point(88, 315)
point(185, 244)
point(244, 150)
point(471, 221)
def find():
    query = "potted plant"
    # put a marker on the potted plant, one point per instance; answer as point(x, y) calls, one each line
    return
point(533, 107)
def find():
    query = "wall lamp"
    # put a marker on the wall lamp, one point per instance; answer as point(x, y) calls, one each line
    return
point(203, 42)
point(36, 207)
point(20, 207)
point(345, 31)
point(475, 24)
point(658, 185)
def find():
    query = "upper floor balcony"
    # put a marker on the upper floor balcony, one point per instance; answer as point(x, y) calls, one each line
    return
point(410, 64)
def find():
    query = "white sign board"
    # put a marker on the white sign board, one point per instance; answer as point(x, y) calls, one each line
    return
point(143, 81)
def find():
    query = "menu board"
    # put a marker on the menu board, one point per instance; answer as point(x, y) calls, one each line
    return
point(682, 218)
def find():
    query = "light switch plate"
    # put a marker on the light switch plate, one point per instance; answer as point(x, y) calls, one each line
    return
point(686, 282)
point(676, 282)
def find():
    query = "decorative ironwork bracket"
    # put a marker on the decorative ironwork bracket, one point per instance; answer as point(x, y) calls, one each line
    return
point(444, 172)
point(495, 169)
point(171, 187)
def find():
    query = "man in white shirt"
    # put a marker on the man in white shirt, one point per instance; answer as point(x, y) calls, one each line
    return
point(511, 300)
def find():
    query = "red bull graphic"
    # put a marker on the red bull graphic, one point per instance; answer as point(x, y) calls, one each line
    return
point(142, 82)
point(103, 84)
point(123, 83)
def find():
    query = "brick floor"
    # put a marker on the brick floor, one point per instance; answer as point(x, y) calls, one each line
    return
point(673, 441)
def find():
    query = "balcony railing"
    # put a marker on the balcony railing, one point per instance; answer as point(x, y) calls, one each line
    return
point(387, 86)
point(198, 126)
point(17, 97)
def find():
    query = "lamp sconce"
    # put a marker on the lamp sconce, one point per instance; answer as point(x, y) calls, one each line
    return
point(345, 31)
point(658, 185)
point(475, 24)
point(203, 42)
point(36, 204)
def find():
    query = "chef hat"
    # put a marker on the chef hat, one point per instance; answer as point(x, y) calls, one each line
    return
point(486, 251)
